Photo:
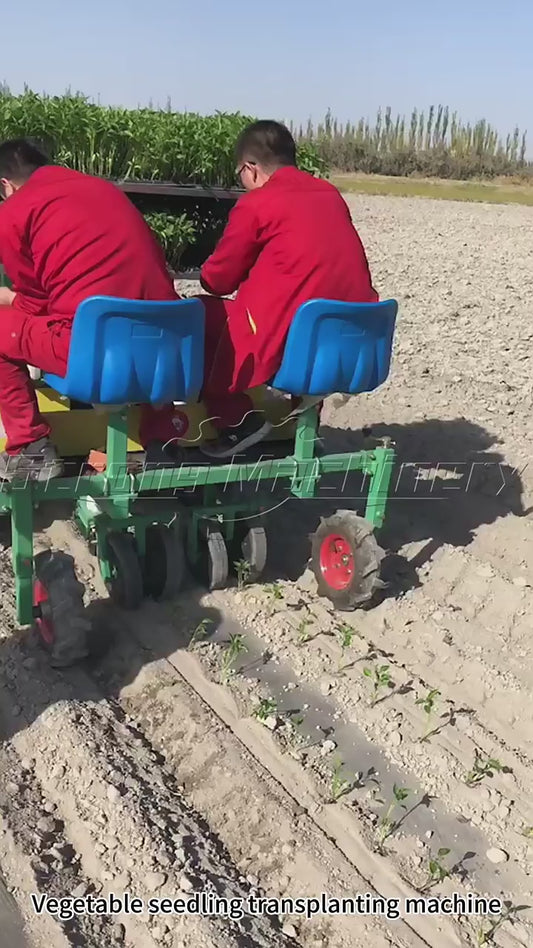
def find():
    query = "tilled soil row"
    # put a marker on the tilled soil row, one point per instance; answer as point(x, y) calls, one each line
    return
point(89, 800)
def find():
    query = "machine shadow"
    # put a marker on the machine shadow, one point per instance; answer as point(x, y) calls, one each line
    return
point(122, 644)
point(449, 479)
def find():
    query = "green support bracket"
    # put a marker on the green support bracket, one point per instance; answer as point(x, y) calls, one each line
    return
point(379, 486)
point(307, 473)
point(120, 488)
point(22, 550)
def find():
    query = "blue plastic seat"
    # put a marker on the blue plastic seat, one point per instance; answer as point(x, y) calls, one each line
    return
point(134, 351)
point(335, 347)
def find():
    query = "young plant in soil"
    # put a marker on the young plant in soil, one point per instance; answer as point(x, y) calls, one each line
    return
point(437, 870)
point(230, 655)
point(485, 936)
point(380, 678)
point(201, 632)
point(428, 703)
point(339, 785)
point(265, 709)
point(345, 635)
point(243, 570)
point(274, 591)
point(483, 767)
point(304, 635)
point(387, 825)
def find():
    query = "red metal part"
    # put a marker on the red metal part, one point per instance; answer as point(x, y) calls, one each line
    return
point(336, 561)
point(43, 621)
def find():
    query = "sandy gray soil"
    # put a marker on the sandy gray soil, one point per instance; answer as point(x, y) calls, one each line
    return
point(145, 771)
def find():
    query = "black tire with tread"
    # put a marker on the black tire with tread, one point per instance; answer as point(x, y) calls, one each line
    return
point(126, 588)
point(164, 562)
point(367, 556)
point(64, 608)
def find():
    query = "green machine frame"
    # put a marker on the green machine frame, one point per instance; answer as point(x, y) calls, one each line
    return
point(106, 502)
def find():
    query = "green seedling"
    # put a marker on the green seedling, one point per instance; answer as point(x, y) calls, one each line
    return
point(201, 632)
point(528, 832)
point(428, 703)
point(345, 635)
point(380, 678)
point(265, 709)
point(303, 632)
point(483, 767)
point(339, 785)
point(244, 571)
point(387, 825)
point(437, 870)
point(231, 653)
point(485, 936)
point(274, 590)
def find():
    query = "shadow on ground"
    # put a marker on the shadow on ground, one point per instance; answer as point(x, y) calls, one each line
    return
point(449, 479)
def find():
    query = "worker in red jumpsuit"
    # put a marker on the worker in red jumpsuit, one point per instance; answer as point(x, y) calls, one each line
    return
point(64, 236)
point(288, 240)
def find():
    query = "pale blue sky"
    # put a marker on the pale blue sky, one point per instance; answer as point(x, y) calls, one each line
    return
point(280, 58)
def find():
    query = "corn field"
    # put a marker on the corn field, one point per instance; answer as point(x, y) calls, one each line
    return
point(433, 143)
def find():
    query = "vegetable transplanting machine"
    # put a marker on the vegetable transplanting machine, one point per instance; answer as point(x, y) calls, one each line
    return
point(126, 354)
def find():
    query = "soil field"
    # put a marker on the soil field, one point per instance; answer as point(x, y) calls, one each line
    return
point(167, 765)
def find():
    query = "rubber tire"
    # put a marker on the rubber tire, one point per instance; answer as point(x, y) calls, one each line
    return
point(164, 562)
point(212, 569)
point(250, 544)
point(126, 589)
point(64, 609)
point(367, 554)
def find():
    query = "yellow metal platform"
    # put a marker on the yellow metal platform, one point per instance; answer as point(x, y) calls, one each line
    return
point(76, 430)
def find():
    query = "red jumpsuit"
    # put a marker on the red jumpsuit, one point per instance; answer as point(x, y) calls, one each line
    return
point(64, 236)
point(287, 242)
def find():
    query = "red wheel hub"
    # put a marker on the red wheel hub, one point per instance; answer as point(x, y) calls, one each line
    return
point(43, 621)
point(336, 561)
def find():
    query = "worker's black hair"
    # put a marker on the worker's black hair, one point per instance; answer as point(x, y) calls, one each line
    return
point(267, 143)
point(19, 158)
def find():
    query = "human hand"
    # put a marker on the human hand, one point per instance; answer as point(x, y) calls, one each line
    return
point(6, 296)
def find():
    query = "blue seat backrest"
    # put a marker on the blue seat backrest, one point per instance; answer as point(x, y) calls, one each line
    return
point(127, 351)
point(337, 347)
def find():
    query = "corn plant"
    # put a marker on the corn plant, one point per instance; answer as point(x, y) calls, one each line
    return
point(438, 871)
point(235, 647)
point(244, 571)
point(387, 825)
point(483, 767)
point(428, 703)
point(379, 676)
point(200, 632)
point(528, 832)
